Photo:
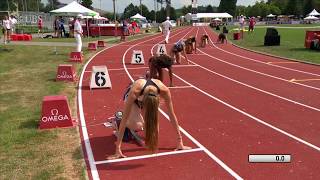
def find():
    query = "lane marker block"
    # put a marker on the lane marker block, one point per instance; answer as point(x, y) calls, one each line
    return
point(101, 44)
point(137, 57)
point(55, 113)
point(76, 57)
point(100, 77)
point(92, 46)
point(161, 49)
point(66, 72)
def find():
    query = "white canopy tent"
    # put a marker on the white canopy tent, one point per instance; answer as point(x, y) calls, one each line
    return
point(314, 13)
point(213, 15)
point(138, 16)
point(311, 18)
point(271, 16)
point(207, 17)
point(73, 9)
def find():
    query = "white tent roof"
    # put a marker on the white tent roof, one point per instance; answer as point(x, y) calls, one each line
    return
point(314, 13)
point(73, 9)
point(311, 18)
point(213, 15)
point(271, 15)
point(137, 16)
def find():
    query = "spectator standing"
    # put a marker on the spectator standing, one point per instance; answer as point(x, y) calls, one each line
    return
point(13, 22)
point(252, 22)
point(56, 27)
point(78, 32)
point(40, 25)
point(6, 29)
point(241, 22)
point(166, 28)
point(61, 27)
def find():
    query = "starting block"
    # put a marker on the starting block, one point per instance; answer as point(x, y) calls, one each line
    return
point(100, 77)
point(66, 72)
point(161, 49)
point(137, 57)
point(101, 44)
point(76, 57)
point(55, 113)
point(92, 46)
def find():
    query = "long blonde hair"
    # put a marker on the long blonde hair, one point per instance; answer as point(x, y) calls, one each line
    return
point(150, 105)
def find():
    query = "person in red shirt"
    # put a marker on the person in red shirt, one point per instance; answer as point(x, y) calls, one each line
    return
point(134, 26)
point(40, 25)
point(252, 22)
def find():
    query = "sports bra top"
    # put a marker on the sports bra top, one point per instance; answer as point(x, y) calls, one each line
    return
point(148, 83)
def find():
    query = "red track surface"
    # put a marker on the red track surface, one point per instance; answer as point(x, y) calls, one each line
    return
point(235, 103)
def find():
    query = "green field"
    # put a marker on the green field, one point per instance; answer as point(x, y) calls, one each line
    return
point(291, 43)
point(27, 73)
point(25, 151)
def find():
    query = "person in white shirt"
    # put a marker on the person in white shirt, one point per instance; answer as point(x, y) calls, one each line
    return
point(166, 28)
point(78, 32)
point(6, 29)
point(13, 22)
point(241, 22)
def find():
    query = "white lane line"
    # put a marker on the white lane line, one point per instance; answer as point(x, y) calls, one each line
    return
point(270, 64)
point(148, 156)
point(251, 116)
point(264, 74)
point(211, 155)
point(180, 87)
point(255, 88)
point(93, 168)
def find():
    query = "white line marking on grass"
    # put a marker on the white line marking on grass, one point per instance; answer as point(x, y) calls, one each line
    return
point(148, 156)
point(261, 73)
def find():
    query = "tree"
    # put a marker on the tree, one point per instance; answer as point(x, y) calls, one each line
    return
point(209, 9)
point(228, 6)
point(186, 9)
point(87, 3)
point(146, 12)
point(52, 4)
point(292, 8)
point(4, 5)
point(241, 10)
point(129, 11)
point(308, 6)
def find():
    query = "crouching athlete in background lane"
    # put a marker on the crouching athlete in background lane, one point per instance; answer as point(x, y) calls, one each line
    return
point(176, 50)
point(144, 97)
point(157, 63)
point(191, 45)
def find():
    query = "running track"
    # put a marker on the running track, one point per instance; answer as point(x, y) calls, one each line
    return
point(229, 102)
